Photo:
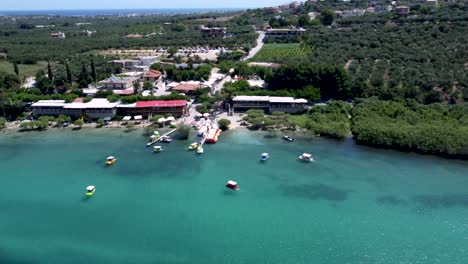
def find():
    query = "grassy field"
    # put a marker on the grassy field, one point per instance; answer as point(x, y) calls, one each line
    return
point(24, 70)
point(280, 52)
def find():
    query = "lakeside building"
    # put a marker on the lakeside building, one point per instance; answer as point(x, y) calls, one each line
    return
point(213, 32)
point(146, 109)
point(102, 108)
point(291, 32)
point(95, 109)
point(269, 103)
point(432, 2)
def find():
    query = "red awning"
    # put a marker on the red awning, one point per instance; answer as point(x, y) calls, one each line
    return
point(161, 103)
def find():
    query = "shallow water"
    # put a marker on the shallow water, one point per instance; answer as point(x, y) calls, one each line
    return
point(354, 205)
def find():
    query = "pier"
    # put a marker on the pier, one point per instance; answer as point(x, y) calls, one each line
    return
point(159, 138)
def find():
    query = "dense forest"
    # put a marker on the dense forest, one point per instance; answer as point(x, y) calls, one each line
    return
point(421, 56)
point(23, 42)
point(436, 128)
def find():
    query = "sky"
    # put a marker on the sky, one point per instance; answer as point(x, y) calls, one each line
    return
point(132, 4)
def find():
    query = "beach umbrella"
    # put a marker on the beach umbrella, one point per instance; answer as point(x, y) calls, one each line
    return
point(199, 115)
point(206, 115)
point(171, 118)
point(161, 120)
point(126, 118)
point(138, 117)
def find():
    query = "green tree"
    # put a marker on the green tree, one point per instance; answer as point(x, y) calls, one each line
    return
point(69, 73)
point(100, 122)
point(327, 17)
point(147, 86)
point(50, 73)
point(224, 124)
point(184, 131)
point(202, 108)
point(93, 71)
point(79, 123)
point(303, 20)
point(136, 87)
point(15, 68)
point(3, 122)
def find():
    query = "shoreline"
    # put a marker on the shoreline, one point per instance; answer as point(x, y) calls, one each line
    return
point(13, 128)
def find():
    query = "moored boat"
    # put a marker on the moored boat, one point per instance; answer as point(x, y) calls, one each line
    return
point(232, 185)
point(200, 149)
point(193, 146)
point(288, 138)
point(157, 149)
point(306, 157)
point(110, 160)
point(166, 139)
point(265, 156)
point(213, 135)
point(90, 190)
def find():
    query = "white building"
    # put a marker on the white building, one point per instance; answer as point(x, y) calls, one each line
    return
point(269, 103)
point(95, 109)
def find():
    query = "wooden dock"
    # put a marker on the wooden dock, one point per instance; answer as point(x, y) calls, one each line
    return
point(159, 138)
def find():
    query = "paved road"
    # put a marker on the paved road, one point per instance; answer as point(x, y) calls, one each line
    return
point(256, 49)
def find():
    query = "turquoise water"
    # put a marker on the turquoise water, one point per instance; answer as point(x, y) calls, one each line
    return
point(354, 205)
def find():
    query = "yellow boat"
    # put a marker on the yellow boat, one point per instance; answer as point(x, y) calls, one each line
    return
point(90, 190)
point(110, 160)
point(193, 146)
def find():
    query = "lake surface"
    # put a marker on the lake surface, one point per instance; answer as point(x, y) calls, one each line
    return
point(353, 205)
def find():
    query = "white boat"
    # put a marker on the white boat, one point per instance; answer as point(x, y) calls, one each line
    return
point(265, 156)
point(232, 185)
point(200, 149)
point(157, 149)
point(90, 190)
point(306, 157)
point(288, 138)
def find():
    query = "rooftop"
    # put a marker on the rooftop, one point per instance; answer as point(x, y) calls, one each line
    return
point(51, 103)
point(115, 79)
point(241, 98)
point(161, 103)
point(188, 87)
point(271, 99)
point(152, 74)
point(94, 103)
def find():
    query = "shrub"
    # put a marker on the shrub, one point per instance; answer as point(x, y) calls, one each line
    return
point(224, 124)
point(184, 131)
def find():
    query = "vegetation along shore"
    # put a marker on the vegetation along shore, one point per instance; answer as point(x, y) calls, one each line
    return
point(391, 77)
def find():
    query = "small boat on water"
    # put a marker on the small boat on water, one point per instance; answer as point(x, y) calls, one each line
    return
point(166, 139)
point(110, 160)
point(288, 138)
point(193, 146)
point(265, 156)
point(152, 140)
point(232, 185)
point(157, 149)
point(200, 149)
point(90, 190)
point(306, 157)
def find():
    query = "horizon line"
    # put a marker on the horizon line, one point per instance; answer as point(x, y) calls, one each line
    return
point(155, 8)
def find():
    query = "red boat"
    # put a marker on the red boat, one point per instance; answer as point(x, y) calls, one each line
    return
point(213, 135)
point(232, 185)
